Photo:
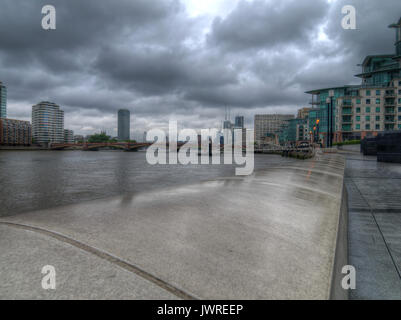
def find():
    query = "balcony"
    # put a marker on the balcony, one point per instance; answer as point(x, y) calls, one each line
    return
point(389, 111)
point(389, 127)
point(390, 95)
point(347, 120)
point(389, 104)
point(389, 119)
point(368, 86)
point(347, 110)
point(346, 128)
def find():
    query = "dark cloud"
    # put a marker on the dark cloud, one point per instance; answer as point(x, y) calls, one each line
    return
point(161, 62)
point(260, 24)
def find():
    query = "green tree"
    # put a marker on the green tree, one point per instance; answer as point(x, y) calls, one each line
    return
point(99, 138)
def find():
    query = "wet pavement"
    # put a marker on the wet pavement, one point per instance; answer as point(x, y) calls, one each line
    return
point(374, 194)
point(272, 235)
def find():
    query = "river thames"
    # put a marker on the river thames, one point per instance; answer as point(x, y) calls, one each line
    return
point(33, 180)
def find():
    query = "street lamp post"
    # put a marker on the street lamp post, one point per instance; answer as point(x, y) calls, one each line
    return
point(329, 101)
point(316, 131)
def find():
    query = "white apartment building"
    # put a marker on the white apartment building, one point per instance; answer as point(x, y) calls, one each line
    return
point(373, 110)
point(47, 123)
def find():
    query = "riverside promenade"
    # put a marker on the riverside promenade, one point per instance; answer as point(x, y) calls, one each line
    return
point(278, 234)
point(374, 201)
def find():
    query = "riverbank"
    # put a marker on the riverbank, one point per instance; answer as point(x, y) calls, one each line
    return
point(23, 148)
point(278, 234)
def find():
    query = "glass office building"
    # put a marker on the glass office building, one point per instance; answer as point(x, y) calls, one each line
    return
point(3, 101)
point(124, 120)
point(239, 122)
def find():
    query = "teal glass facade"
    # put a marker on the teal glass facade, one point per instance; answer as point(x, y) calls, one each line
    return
point(293, 131)
point(379, 71)
point(321, 113)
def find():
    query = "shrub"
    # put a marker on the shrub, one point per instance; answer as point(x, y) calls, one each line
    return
point(345, 143)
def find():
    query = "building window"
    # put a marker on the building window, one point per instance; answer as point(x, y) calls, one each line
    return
point(367, 118)
point(399, 91)
point(358, 118)
point(378, 127)
point(399, 126)
point(378, 101)
point(368, 92)
point(378, 92)
point(367, 109)
point(358, 126)
point(399, 118)
point(367, 126)
point(399, 109)
point(367, 101)
point(377, 109)
point(358, 101)
point(377, 118)
point(358, 110)
point(399, 100)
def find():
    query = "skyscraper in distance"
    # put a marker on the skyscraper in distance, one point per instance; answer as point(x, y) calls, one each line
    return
point(124, 125)
point(3, 101)
point(239, 122)
point(227, 124)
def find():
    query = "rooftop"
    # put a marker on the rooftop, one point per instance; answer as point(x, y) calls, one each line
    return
point(318, 91)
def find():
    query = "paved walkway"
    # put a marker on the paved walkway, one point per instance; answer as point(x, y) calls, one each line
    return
point(272, 235)
point(374, 191)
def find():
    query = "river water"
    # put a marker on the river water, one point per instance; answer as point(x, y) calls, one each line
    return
point(33, 180)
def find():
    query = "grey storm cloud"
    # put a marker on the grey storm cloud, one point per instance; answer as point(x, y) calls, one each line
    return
point(162, 62)
point(262, 24)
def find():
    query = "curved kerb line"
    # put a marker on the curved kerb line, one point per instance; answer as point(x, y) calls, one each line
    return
point(105, 256)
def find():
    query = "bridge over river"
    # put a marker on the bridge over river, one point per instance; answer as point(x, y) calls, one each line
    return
point(126, 146)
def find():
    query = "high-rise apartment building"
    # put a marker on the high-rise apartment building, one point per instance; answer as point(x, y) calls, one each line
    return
point(3, 101)
point(124, 120)
point(269, 124)
point(47, 123)
point(365, 109)
point(15, 132)
point(68, 136)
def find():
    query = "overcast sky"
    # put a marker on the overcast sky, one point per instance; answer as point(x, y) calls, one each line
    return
point(182, 59)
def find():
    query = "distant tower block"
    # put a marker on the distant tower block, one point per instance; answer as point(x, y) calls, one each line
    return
point(3, 101)
point(239, 122)
point(124, 124)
